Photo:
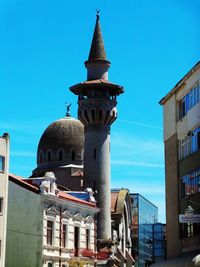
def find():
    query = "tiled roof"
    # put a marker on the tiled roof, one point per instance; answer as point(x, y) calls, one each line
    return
point(23, 183)
point(97, 50)
point(114, 196)
point(99, 83)
point(66, 196)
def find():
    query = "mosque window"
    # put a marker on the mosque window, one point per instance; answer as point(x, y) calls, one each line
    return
point(95, 153)
point(49, 156)
point(60, 155)
point(73, 155)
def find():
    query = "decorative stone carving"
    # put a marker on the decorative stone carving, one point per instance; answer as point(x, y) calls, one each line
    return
point(78, 217)
point(66, 214)
point(52, 211)
point(89, 219)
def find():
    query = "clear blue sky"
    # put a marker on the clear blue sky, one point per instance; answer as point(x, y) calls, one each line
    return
point(43, 44)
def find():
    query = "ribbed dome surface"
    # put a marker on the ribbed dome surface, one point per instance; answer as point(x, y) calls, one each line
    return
point(65, 133)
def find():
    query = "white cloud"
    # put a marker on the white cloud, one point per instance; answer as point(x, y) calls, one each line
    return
point(142, 124)
point(137, 163)
point(23, 154)
point(131, 150)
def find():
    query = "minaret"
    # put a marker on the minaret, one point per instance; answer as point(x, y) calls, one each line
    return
point(97, 111)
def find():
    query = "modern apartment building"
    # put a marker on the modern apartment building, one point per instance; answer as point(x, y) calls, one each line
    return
point(4, 160)
point(182, 164)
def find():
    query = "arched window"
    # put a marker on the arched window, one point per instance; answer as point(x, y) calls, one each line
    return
point(49, 156)
point(73, 155)
point(60, 155)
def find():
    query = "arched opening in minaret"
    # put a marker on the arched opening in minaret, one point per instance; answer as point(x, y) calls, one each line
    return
point(93, 115)
point(100, 114)
point(86, 116)
point(95, 153)
point(73, 155)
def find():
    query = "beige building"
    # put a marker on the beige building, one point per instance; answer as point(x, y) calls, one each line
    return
point(182, 168)
point(4, 162)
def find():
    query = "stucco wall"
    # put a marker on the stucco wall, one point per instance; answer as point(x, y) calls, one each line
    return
point(24, 228)
point(188, 122)
point(170, 118)
point(4, 151)
point(172, 197)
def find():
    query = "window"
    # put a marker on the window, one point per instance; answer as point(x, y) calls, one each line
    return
point(95, 153)
point(189, 144)
point(195, 140)
point(2, 163)
point(184, 147)
point(60, 155)
point(190, 183)
point(64, 235)
point(49, 156)
point(49, 232)
point(188, 101)
point(190, 229)
point(50, 264)
point(88, 238)
point(1, 205)
point(73, 155)
point(76, 241)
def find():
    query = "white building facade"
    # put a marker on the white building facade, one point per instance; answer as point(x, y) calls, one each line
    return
point(48, 227)
point(4, 165)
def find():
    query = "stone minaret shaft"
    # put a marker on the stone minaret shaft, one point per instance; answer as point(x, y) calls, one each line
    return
point(97, 111)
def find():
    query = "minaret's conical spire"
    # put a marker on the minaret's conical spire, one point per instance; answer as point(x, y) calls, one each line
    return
point(97, 50)
point(97, 63)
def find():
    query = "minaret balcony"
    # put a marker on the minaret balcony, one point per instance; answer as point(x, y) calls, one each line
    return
point(97, 111)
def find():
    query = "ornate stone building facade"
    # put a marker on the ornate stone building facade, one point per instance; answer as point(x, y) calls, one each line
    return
point(48, 227)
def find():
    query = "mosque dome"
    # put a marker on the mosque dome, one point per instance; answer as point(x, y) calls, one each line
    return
point(61, 143)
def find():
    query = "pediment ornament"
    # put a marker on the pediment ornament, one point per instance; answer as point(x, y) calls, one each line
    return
point(89, 219)
point(52, 210)
point(66, 214)
point(78, 217)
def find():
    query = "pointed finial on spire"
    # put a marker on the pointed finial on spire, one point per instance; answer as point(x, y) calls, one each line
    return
point(68, 114)
point(97, 50)
point(98, 14)
point(97, 64)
